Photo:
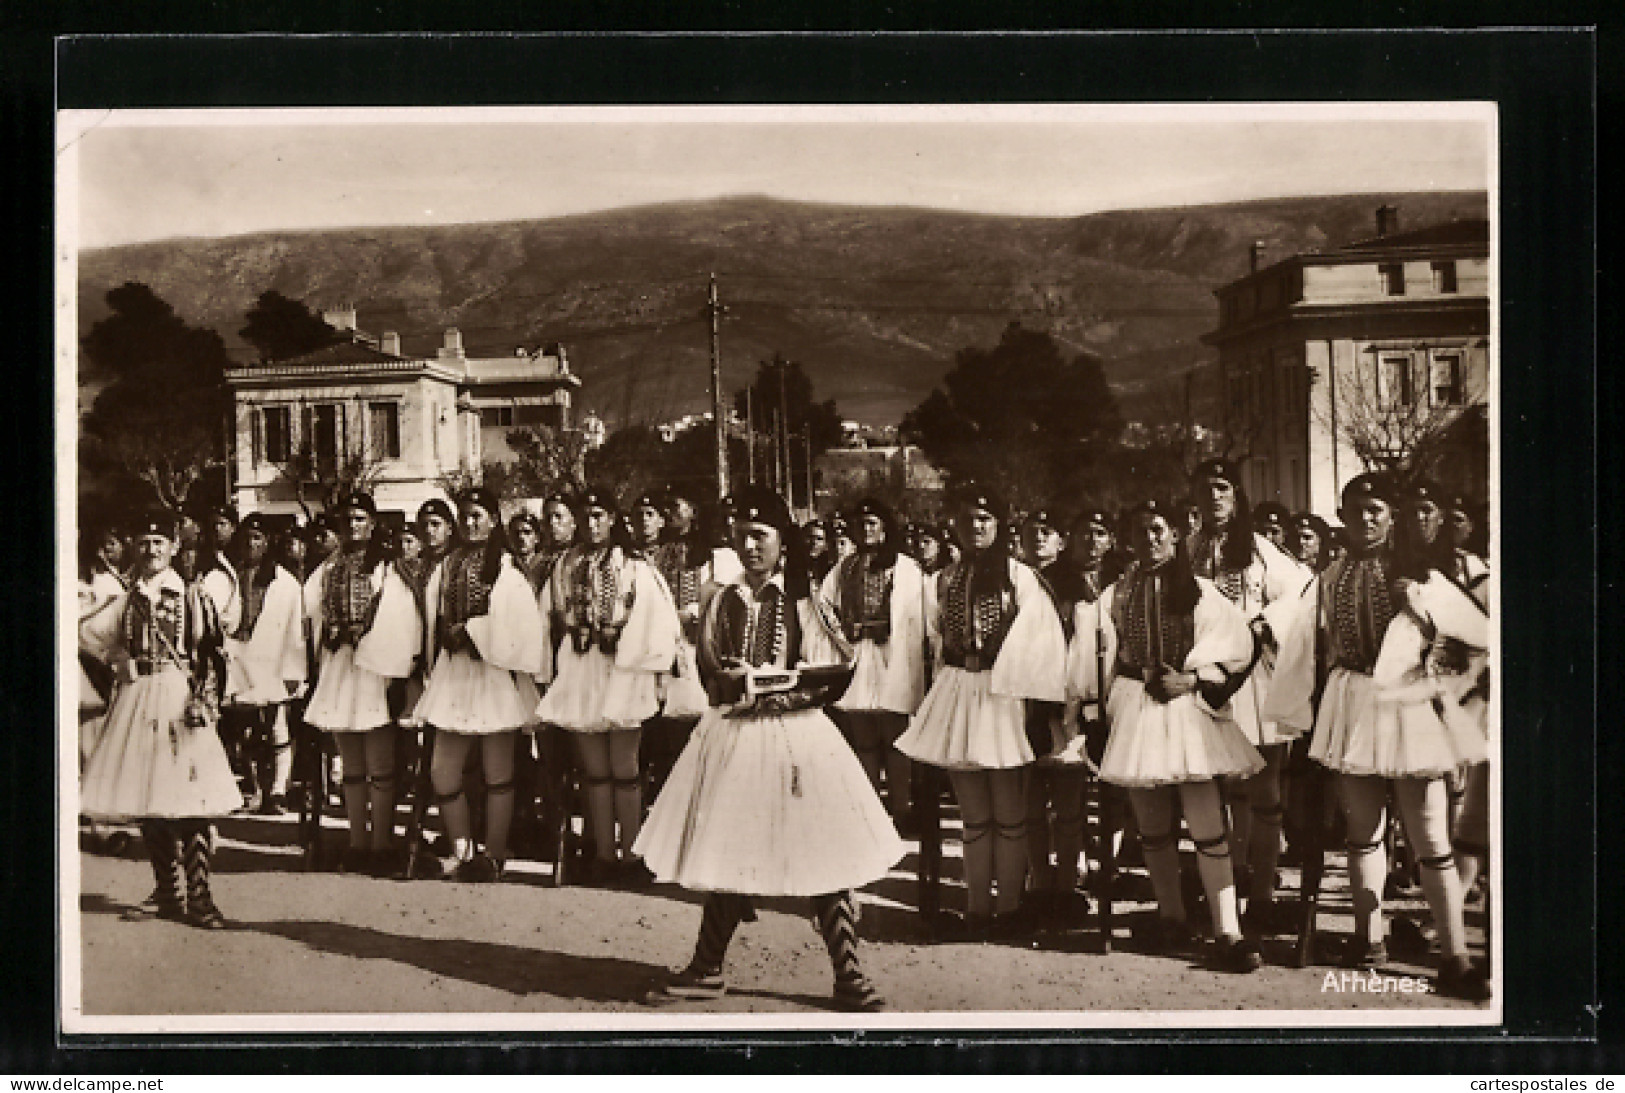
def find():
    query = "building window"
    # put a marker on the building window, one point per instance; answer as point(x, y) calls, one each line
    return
point(1444, 277)
point(549, 415)
point(384, 430)
point(496, 415)
point(1238, 395)
point(324, 430)
point(276, 433)
point(1393, 278)
point(1447, 379)
point(1395, 389)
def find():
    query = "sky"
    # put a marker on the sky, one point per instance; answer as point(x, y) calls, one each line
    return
point(133, 176)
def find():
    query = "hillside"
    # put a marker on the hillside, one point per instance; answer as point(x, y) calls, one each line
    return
point(873, 301)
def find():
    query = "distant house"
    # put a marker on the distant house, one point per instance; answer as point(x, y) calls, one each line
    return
point(415, 418)
point(1332, 359)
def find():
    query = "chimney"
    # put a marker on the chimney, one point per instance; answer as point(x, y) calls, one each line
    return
point(1255, 254)
point(390, 343)
point(452, 348)
point(1387, 220)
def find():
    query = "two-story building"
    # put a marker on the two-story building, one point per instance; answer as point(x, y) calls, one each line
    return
point(415, 419)
point(1330, 361)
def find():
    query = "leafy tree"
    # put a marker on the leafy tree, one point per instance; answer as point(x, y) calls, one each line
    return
point(781, 387)
point(549, 459)
point(634, 459)
point(1019, 417)
point(162, 416)
point(281, 328)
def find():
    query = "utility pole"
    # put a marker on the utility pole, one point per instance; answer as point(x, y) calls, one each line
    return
point(713, 312)
point(806, 437)
point(750, 432)
point(784, 439)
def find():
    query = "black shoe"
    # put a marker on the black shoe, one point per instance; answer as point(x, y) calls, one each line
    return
point(699, 984)
point(1018, 925)
point(1237, 955)
point(480, 869)
point(1164, 936)
point(205, 915)
point(1268, 920)
point(1070, 910)
point(273, 805)
point(1459, 978)
point(1365, 955)
point(387, 863)
point(1412, 940)
point(858, 995)
point(151, 909)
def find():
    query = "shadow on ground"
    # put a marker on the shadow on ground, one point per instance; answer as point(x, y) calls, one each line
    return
point(512, 968)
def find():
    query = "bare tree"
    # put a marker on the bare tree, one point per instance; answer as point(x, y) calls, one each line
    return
point(1397, 415)
point(326, 478)
point(170, 456)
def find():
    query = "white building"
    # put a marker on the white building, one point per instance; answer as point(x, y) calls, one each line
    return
point(1385, 336)
point(417, 418)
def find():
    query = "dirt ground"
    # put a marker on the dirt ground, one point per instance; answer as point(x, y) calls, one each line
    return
point(309, 943)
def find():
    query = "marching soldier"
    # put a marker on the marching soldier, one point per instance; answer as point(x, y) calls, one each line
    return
point(1175, 652)
point(999, 644)
point(1256, 575)
point(1402, 642)
point(158, 758)
point(878, 593)
point(767, 798)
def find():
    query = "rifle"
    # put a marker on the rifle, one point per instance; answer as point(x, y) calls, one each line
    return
point(1314, 855)
point(422, 794)
point(1105, 806)
point(928, 802)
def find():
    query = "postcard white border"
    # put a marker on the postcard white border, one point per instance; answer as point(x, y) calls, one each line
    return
point(1028, 1025)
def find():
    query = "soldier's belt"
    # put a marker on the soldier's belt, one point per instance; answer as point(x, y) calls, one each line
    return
point(969, 660)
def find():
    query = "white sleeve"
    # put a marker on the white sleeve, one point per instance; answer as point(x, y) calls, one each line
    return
point(1032, 661)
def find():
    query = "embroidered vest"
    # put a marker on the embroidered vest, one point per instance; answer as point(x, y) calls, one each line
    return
point(1360, 603)
point(347, 594)
point(866, 591)
point(155, 631)
point(975, 620)
point(253, 604)
point(1208, 561)
point(671, 559)
point(1148, 633)
point(764, 632)
point(464, 594)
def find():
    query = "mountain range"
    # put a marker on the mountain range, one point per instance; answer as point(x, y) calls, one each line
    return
point(873, 301)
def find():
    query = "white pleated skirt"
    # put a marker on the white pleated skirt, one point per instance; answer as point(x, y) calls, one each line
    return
point(249, 683)
point(472, 696)
point(870, 671)
point(1246, 704)
point(963, 725)
point(348, 698)
point(147, 763)
point(1164, 744)
point(590, 694)
point(771, 806)
point(682, 696)
point(1359, 731)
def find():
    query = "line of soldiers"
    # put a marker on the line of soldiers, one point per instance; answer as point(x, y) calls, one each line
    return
point(1197, 657)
